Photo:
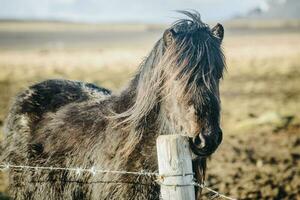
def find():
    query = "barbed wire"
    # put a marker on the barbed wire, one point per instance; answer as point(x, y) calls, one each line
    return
point(216, 193)
point(94, 171)
point(78, 170)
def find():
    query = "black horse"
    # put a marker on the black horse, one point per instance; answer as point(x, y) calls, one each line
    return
point(64, 123)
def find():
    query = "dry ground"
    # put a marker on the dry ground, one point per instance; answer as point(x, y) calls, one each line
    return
point(260, 154)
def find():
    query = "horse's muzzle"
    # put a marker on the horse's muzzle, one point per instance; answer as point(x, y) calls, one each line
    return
point(204, 145)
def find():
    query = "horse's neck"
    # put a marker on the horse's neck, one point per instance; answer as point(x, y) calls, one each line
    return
point(126, 98)
point(158, 120)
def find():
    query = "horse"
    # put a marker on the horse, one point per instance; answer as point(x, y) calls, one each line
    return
point(63, 123)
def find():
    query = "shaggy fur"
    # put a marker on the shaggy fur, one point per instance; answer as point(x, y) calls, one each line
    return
point(72, 124)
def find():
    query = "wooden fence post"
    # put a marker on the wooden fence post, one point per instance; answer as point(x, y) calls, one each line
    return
point(175, 168)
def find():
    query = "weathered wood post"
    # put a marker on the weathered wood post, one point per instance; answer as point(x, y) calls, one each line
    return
point(175, 168)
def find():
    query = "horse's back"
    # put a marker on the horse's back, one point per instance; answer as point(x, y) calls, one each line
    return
point(50, 95)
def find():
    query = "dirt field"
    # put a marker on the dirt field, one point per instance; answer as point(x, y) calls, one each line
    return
point(260, 154)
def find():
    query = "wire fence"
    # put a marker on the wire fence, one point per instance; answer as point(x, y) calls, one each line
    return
point(94, 171)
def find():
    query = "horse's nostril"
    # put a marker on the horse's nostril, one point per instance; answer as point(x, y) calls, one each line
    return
point(199, 141)
point(205, 144)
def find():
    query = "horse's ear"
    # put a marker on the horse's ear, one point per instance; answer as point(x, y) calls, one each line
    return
point(168, 37)
point(218, 31)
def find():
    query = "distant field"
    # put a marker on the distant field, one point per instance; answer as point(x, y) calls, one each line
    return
point(35, 35)
point(264, 24)
point(259, 157)
point(55, 35)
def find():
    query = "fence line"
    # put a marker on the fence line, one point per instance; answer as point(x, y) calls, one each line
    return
point(94, 171)
point(216, 193)
point(78, 170)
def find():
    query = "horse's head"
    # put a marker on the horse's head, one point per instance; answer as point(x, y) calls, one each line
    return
point(193, 65)
point(177, 86)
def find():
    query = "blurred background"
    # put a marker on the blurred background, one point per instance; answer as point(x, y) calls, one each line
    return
point(104, 41)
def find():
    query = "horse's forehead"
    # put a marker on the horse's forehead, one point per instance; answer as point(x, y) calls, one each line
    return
point(190, 27)
point(183, 27)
